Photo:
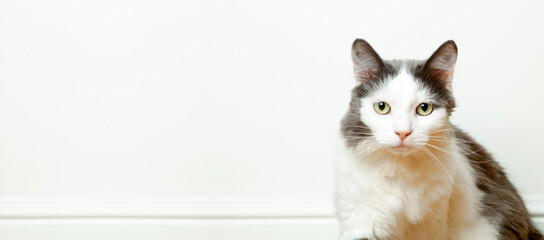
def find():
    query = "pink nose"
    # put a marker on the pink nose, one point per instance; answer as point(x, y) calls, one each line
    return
point(403, 135)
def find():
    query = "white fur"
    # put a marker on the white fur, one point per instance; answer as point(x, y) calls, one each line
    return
point(407, 193)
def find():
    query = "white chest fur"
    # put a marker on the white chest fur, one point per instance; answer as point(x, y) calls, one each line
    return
point(425, 195)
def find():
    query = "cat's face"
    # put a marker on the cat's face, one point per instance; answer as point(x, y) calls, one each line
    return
point(402, 113)
point(400, 105)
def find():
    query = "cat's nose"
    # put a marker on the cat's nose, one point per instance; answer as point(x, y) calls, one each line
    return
point(403, 134)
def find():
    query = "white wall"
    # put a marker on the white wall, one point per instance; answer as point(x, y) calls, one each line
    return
point(167, 119)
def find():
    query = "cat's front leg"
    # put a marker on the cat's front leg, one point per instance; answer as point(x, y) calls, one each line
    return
point(363, 222)
point(364, 209)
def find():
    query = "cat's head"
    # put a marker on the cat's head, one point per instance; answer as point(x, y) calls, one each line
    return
point(399, 105)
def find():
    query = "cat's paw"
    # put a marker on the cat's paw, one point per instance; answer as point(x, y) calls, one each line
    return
point(364, 233)
point(354, 235)
point(357, 238)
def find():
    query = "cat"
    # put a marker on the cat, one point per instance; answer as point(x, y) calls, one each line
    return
point(406, 172)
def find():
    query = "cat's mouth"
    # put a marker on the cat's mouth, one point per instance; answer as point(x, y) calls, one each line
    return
point(402, 149)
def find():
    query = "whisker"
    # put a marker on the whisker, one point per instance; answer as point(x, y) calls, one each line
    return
point(358, 137)
point(368, 151)
point(475, 151)
point(443, 150)
point(460, 154)
point(453, 140)
point(440, 130)
point(441, 166)
point(348, 126)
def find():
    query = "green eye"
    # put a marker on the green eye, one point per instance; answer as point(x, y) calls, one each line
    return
point(424, 109)
point(382, 108)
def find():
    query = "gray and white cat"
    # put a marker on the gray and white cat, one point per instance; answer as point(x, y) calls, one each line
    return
point(406, 171)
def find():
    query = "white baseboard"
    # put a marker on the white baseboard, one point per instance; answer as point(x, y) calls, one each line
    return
point(173, 219)
point(185, 208)
point(169, 229)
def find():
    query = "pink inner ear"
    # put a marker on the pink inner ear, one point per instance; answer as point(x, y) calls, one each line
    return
point(448, 77)
point(364, 75)
point(445, 76)
point(442, 66)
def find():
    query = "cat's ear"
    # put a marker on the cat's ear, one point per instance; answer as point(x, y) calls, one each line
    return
point(367, 64)
point(441, 64)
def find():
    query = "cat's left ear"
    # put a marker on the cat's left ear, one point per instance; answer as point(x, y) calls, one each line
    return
point(441, 64)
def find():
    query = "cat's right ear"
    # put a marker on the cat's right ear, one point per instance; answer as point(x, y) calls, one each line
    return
point(367, 64)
